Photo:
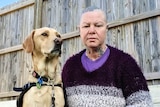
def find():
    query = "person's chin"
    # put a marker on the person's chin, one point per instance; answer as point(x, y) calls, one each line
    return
point(92, 45)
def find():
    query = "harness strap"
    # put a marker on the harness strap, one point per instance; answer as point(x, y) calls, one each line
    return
point(23, 90)
point(58, 85)
point(27, 86)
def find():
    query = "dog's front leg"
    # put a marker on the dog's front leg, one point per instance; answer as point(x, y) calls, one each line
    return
point(57, 94)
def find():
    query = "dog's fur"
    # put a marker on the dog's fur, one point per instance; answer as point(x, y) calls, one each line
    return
point(41, 43)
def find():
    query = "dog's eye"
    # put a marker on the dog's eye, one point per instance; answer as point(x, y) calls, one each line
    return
point(58, 35)
point(44, 34)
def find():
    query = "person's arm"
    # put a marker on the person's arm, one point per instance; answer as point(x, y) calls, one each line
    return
point(64, 73)
point(135, 87)
point(65, 97)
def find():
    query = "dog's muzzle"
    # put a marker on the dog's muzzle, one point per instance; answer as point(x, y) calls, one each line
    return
point(57, 47)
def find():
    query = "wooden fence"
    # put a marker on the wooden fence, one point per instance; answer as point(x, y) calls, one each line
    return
point(134, 26)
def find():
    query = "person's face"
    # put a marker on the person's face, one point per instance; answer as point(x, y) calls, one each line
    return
point(93, 28)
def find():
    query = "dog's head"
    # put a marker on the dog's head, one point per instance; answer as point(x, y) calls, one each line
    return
point(46, 41)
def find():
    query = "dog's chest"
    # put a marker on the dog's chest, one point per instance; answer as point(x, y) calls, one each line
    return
point(39, 95)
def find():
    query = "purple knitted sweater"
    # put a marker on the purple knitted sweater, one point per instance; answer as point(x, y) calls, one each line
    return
point(119, 82)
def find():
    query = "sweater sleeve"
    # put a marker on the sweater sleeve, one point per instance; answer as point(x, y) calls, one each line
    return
point(134, 86)
point(65, 97)
point(64, 76)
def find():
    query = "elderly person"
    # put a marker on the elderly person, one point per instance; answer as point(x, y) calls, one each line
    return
point(101, 75)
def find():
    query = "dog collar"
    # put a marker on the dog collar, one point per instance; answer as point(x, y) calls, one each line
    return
point(36, 75)
point(40, 79)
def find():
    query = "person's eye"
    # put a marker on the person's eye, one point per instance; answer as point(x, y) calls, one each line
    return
point(99, 25)
point(86, 26)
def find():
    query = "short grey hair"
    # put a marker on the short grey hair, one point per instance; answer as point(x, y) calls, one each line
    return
point(92, 8)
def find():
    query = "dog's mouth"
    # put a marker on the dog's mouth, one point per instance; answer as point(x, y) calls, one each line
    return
point(56, 51)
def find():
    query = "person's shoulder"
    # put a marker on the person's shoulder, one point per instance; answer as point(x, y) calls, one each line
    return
point(76, 56)
point(120, 54)
point(123, 58)
point(116, 51)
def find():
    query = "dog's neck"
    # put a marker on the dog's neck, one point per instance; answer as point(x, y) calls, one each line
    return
point(44, 66)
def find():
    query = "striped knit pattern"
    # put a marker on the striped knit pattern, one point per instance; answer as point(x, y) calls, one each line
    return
point(95, 96)
point(139, 99)
point(100, 96)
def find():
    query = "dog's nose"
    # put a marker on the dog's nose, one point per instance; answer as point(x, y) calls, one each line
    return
point(58, 41)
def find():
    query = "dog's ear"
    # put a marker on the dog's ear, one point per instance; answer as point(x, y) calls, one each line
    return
point(28, 44)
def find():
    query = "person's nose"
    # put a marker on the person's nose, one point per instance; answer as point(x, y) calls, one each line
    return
point(92, 29)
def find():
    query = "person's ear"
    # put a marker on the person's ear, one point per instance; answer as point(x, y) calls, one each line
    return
point(106, 27)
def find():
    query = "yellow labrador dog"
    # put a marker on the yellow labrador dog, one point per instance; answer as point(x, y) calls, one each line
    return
point(45, 86)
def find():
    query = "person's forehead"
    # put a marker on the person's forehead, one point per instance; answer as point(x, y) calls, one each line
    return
point(93, 14)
